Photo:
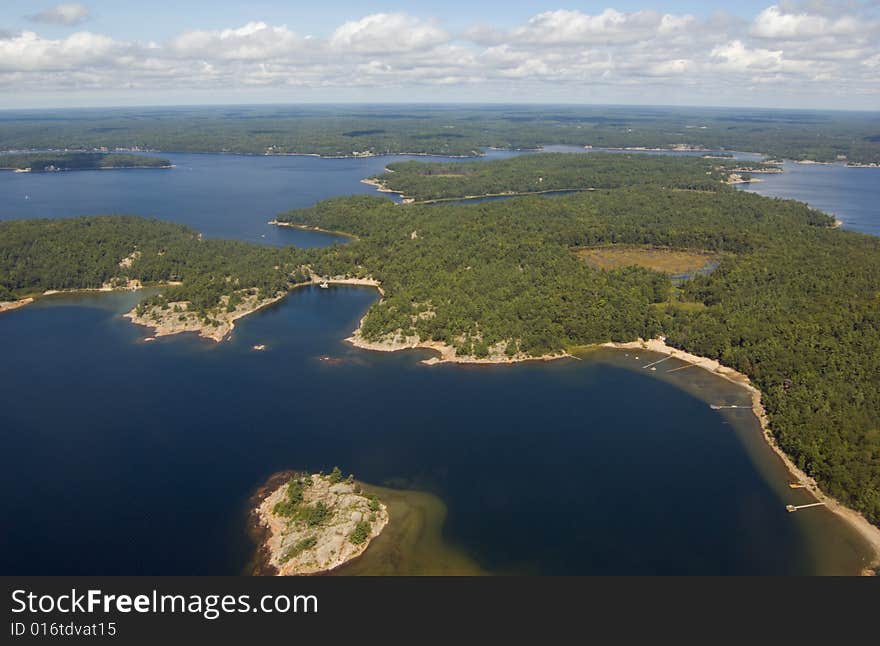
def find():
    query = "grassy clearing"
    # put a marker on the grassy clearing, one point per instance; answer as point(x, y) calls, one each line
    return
point(669, 261)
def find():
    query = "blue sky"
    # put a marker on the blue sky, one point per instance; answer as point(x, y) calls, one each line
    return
point(164, 18)
point(793, 53)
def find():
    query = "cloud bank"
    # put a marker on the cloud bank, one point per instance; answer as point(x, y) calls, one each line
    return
point(817, 52)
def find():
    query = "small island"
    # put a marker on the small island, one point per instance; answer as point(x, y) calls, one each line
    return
point(49, 162)
point(314, 523)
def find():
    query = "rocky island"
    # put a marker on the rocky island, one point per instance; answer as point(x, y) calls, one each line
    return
point(314, 523)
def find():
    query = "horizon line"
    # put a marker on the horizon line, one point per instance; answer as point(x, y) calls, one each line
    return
point(424, 104)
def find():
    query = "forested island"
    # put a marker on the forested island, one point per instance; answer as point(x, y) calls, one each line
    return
point(314, 523)
point(51, 162)
point(787, 299)
point(825, 136)
point(545, 173)
point(208, 284)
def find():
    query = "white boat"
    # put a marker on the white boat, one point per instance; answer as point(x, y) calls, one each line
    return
point(324, 285)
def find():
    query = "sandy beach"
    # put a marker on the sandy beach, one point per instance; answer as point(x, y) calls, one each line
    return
point(868, 531)
point(381, 188)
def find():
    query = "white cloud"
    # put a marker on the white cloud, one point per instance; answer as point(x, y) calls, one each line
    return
point(737, 56)
point(387, 33)
point(253, 41)
point(27, 51)
point(773, 22)
point(62, 14)
point(671, 68)
point(556, 54)
point(565, 27)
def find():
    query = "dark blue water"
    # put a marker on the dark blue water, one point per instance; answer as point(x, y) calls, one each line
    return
point(851, 194)
point(223, 196)
point(129, 457)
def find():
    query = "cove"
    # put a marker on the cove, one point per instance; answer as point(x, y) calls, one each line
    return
point(140, 457)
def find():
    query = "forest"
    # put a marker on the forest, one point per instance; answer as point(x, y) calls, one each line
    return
point(461, 130)
point(557, 172)
point(57, 161)
point(794, 303)
point(89, 252)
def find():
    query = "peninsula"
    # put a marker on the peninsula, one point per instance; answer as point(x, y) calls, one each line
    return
point(314, 523)
point(556, 172)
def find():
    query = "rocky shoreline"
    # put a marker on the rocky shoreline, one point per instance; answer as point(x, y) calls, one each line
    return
point(447, 353)
point(8, 306)
point(310, 524)
point(177, 319)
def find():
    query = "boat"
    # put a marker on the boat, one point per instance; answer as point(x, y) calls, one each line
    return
point(324, 285)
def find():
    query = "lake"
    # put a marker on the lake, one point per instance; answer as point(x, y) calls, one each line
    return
point(223, 196)
point(852, 194)
point(128, 457)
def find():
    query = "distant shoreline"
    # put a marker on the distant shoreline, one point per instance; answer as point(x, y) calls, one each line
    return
point(74, 170)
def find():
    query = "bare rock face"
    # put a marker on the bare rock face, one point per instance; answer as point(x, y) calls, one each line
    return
point(317, 523)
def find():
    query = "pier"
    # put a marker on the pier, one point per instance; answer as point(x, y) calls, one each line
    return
point(793, 508)
point(650, 365)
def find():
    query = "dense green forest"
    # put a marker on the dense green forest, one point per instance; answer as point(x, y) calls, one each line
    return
point(444, 130)
point(794, 303)
point(556, 172)
point(42, 162)
point(88, 252)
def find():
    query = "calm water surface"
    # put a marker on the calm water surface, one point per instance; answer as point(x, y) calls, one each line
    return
point(851, 194)
point(121, 456)
point(223, 196)
point(124, 456)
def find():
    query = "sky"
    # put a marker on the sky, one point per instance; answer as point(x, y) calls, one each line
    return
point(814, 54)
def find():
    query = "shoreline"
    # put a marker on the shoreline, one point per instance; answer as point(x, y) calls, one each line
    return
point(734, 177)
point(131, 286)
point(380, 187)
point(869, 532)
point(440, 200)
point(447, 352)
point(8, 306)
point(267, 529)
point(203, 330)
point(74, 170)
point(861, 525)
point(171, 325)
point(305, 227)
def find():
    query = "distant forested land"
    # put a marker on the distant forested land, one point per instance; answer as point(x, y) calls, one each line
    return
point(445, 130)
point(42, 162)
point(555, 172)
